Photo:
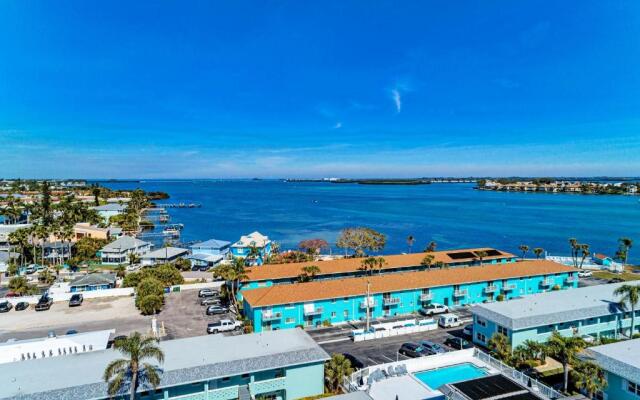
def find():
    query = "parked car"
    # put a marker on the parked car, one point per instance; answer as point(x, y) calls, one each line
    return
point(72, 332)
point(431, 347)
point(224, 325)
point(23, 305)
point(412, 350)
point(214, 310)
point(5, 306)
point(75, 300)
point(468, 330)
point(44, 303)
point(208, 292)
point(355, 363)
point(433, 309)
point(585, 274)
point(615, 280)
point(458, 343)
point(30, 269)
point(449, 320)
point(209, 301)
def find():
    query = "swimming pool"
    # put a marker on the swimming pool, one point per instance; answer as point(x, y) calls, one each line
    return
point(435, 378)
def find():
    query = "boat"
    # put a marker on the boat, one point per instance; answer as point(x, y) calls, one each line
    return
point(171, 231)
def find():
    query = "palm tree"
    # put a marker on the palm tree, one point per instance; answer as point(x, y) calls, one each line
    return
point(410, 241)
point(538, 252)
point(234, 273)
point(564, 349)
point(308, 273)
point(629, 295)
point(524, 249)
point(573, 242)
point(427, 261)
point(335, 370)
point(254, 253)
point(368, 264)
point(584, 252)
point(431, 247)
point(481, 255)
point(132, 370)
point(625, 246)
point(500, 347)
point(529, 352)
point(589, 377)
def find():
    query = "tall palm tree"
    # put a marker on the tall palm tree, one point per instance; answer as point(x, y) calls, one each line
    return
point(431, 247)
point(133, 370)
point(233, 273)
point(524, 249)
point(629, 295)
point(625, 246)
point(589, 377)
point(564, 349)
point(500, 347)
point(538, 252)
point(481, 255)
point(573, 242)
point(335, 370)
point(584, 252)
point(410, 241)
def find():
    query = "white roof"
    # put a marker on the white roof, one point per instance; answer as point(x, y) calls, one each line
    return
point(110, 207)
point(621, 358)
point(166, 252)
point(253, 239)
point(124, 244)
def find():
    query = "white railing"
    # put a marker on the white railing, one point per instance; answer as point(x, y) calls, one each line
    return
point(396, 328)
point(426, 296)
point(460, 293)
point(491, 289)
point(389, 301)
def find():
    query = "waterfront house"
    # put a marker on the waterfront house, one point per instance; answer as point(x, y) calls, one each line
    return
point(271, 274)
point(164, 255)
point(243, 247)
point(117, 252)
point(621, 364)
point(602, 259)
point(54, 251)
point(213, 247)
point(203, 261)
point(343, 300)
point(94, 281)
point(110, 210)
point(284, 365)
point(592, 311)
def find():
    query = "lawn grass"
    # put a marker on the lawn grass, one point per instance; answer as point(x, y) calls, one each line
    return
point(626, 276)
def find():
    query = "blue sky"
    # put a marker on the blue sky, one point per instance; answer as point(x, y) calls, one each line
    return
point(182, 89)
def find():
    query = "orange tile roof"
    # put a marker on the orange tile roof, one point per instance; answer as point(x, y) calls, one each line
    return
point(329, 289)
point(292, 270)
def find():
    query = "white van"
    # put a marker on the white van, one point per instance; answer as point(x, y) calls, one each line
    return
point(449, 320)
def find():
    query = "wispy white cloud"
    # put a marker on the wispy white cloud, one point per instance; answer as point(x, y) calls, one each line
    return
point(338, 125)
point(397, 99)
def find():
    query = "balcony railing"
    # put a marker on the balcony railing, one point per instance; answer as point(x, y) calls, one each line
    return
point(491, 289)
point(310, 313)
point(372, 304)
point(390, 301)
point(426, 296)
point(509, 287)
point(271, 316)
point(268, 386)
point(547, 282)
point(460, 293)
point(572, 279)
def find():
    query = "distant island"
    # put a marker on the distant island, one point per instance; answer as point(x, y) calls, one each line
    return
point(549, 185)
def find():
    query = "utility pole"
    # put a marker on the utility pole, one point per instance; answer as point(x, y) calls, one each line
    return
point(367, 304)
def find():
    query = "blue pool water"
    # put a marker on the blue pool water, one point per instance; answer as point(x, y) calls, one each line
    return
point(455, 373)
point(453, 215)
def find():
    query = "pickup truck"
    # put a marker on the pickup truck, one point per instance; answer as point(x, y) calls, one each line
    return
point(44, 303)
point(224, 325)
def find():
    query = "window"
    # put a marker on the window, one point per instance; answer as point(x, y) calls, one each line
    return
point(333, 301)
point(481, 337)
point(289, 306)
point(290, 320)
point(333, 314)
point(226, 379)
point(345, 314)
point(481, 322)
point(502, 330)
point(633, 388)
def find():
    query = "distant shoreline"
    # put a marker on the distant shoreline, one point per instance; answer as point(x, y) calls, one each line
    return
point(416, 181)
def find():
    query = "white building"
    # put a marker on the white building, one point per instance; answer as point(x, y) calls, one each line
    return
point(117, 252)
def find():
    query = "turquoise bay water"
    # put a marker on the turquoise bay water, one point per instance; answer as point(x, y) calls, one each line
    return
point(454, 215)
point(455, 373)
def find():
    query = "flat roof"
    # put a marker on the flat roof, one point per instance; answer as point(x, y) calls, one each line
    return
point(552, 307)
point(186, 361)
point(166, 252)
point(621, 358)
point(491, 387)
point(348, 287)
point(342, 265)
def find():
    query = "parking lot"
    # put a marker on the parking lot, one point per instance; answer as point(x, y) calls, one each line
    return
point(371, 352)
point(182, 316)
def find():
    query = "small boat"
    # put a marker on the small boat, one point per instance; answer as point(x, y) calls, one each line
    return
point(164, 218)
point(173, 232)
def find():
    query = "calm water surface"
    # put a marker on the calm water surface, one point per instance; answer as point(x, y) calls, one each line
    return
point(454, 215)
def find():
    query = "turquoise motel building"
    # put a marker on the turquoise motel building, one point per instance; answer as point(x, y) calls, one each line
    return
point(283, 274)
point(382, 295)
point(592, 311)
point(621, 364)
point(271, 365)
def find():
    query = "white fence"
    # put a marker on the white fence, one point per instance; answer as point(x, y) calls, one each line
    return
point(589, 263)
point(387, 329)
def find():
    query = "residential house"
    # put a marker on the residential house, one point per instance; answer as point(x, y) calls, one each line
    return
point(6, 230)
point(110, 210)
point(164, 255)
point(84, 229)
point(95, 281)
point(592, 311)
point(621, 364)
point(284, 365)
point(602, 259)
point(207, 254)
point(117, 252)
point(244, 246)
point(404, 293)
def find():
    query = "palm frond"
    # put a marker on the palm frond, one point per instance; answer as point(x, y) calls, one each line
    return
point(115, 367)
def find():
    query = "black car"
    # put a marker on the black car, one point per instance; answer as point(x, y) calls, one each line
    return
point(23, 305)
point(458, 343)
point(5, 306)
point(75, 300)
point(412, 350)
point(355, 363)
point(44, 303)
point(215, 310)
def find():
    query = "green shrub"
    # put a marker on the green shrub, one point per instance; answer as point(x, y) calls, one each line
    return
point(500, 297)
point(150, 304)
point(326, 322)
point(555, 288)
